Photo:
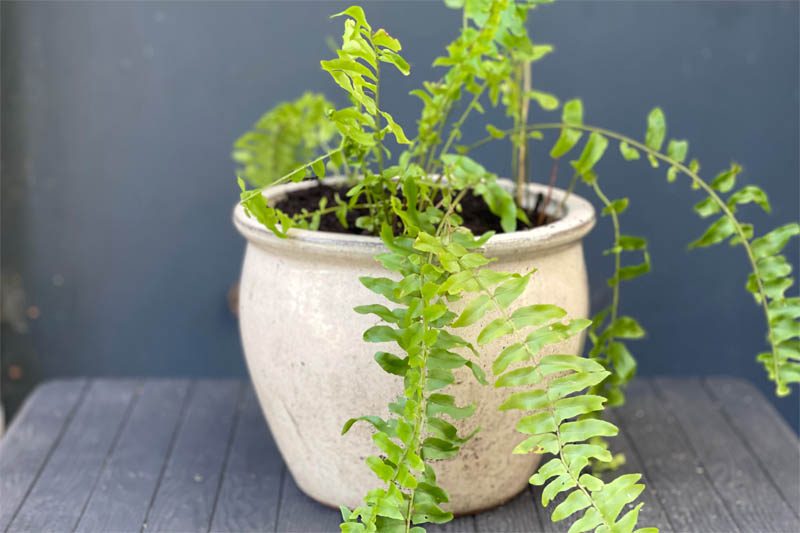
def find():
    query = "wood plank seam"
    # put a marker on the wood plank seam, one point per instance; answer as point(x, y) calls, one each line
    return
point(740, 480)
point(53, 447)
point(280, 497)
point(236, 418)
point(651, 483)
point(187, 490)
point(120, 501)
point(248, 499)
point(468, 522)
point(123, 423)
point(543, 513)
point(17, 480)
point(747, 446)
point(656, 388)
point(64, 485)
point(537, 507)
point(703, 390)
point(518, 514)
point(766, 431)
point(173, 439)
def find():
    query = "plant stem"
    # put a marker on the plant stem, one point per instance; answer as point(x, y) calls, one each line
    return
point(456, 128)
point(285, 177)
point(570, 188)
point(420, 418)
point(327, 210)
point(432, 152)
point(522, 140)
point(419, 425)
point(450, 210)
point(553, 177)
point(617, 253)
point(379, 145)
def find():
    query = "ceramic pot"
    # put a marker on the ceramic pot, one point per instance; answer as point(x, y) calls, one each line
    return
point(312, 371)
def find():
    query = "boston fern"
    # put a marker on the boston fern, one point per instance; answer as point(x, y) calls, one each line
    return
point(439, 280)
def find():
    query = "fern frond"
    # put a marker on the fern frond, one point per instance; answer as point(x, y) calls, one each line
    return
point(420, 430)
point(561, 381)
point(770, 278)
point(284, 138)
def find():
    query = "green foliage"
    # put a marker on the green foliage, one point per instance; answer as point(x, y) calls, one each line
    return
point(440, 280)
point(420, 431)
point(768, 282)
point(357, 71)
point(572, 115)
point(553, 397)
point(285, 138)
point(770, 278)
point(609, 330)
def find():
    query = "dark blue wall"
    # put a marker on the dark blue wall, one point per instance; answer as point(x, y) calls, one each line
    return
point(117, 186)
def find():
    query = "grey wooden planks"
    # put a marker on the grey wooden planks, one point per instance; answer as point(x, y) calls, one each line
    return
point(743, 485)
point(249, 495)
point(126, 486)
point(520, 514)
point(68, 478)
point(96, 455)
point(767, 436)
point(31, 438)
point(678, 476)
point(187, 492)
point(300, 514)
point(459, 524)
point(653, 512)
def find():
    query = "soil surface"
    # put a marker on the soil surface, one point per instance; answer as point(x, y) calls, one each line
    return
point(474, 211)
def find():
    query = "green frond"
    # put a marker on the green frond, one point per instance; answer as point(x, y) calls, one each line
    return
point(285, 138)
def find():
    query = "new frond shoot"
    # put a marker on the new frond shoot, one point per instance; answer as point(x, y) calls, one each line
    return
point(439, 280)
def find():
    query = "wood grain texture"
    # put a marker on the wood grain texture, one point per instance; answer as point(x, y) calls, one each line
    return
point(185, 498)
point(460, 524)
point(520, 514)
point(31, 438)
point(298, 513)
point(130, 477)
point(101, 456)
point(743, 485)
point(680, 480)
point(249, 494)
point(653, 512)
point(767, 436)
point(68, 478)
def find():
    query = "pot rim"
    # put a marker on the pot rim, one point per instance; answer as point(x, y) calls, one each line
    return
point(573, 226)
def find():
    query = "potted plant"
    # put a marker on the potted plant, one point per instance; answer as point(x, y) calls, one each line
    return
point(480, 301)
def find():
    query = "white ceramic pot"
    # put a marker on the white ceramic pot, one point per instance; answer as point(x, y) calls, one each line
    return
point(312, 371)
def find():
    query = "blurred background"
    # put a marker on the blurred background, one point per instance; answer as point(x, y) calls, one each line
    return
point(118, 252)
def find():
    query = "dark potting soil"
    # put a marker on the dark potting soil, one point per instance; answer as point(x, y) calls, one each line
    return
point(474, 211)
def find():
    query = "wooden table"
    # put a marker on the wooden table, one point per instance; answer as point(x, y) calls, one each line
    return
point(176, 455)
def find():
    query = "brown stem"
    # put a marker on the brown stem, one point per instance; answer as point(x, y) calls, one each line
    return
point(522, 142)
point(553, 177)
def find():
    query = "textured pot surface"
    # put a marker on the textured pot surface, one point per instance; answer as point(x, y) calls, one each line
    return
point(312, 371)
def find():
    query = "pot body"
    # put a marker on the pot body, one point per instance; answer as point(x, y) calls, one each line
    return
point(312, 371)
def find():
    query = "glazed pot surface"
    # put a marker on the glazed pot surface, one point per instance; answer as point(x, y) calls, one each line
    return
point(312, 372)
